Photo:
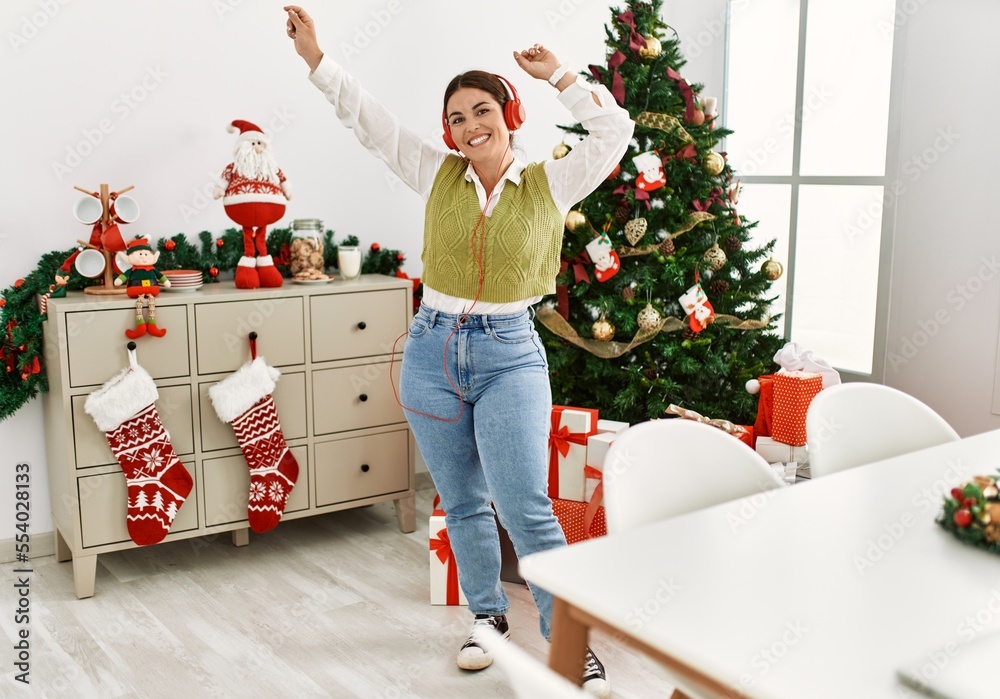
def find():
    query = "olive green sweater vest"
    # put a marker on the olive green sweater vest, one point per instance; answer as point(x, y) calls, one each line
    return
point(523, 237)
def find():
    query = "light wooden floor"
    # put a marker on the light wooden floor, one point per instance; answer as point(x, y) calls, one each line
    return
point(329, 606)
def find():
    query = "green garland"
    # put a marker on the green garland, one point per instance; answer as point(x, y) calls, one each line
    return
point(972, 513)
point(22, 369)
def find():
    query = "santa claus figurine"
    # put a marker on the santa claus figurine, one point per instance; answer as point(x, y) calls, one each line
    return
point(254, 197)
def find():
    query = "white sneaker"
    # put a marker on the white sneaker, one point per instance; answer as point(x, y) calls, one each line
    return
point(472, 656)
point(595, 679)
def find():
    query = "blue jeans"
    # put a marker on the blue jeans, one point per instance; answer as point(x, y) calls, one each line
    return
point(496, 451)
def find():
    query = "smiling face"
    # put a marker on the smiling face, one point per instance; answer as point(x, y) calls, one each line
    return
point(477, 126)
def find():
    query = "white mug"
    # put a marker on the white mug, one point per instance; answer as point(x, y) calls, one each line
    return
point(88, 210)
point(124, 209)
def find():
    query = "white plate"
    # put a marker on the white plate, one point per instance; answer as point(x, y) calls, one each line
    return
point(313, 281)
point(180, 289)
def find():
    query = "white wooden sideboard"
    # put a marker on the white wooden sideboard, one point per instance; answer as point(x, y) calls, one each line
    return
point(332, 343)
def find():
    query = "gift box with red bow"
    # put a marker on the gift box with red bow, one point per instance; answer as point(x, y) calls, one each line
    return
point(443, 566)
point(568, 451)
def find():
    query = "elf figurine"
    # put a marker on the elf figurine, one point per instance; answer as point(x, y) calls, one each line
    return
point(143, 285)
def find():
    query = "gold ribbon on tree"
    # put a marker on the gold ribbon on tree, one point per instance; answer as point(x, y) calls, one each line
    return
point(694, 218)
point(559, 326)
point(724, 425)
point(664, 122)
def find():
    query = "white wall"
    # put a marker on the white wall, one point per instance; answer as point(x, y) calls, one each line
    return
point(165, 79)
point(947, 224)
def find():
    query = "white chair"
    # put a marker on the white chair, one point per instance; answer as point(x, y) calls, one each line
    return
point(529, 678)
point(664, 468)
point(859, 423)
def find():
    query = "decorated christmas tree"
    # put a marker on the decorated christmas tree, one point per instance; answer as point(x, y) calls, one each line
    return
point(661, 299)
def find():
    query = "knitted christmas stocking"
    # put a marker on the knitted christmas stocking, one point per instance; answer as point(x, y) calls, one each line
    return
point(157, 481)
point(244, 400)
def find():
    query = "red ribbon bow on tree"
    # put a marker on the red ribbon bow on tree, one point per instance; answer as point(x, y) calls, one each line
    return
point(636, 41)
point(640, 195)
point(704, 205)
point(617, 82)
point(441, 546)
point(686, 91)
point(580, 274)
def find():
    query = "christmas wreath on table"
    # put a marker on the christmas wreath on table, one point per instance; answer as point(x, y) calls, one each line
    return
point(972, 513)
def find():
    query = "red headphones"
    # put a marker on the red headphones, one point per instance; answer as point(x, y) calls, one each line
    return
point(513, 114)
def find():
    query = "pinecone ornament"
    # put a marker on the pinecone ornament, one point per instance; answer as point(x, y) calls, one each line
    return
point(718, 287)
point(628, 293)
point(689, 334)
point(733, 244)
point(650, 373)
point(622, 215)
point(667, 247)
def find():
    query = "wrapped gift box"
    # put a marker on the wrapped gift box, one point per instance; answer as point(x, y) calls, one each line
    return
point(597, 451)
point(572, 518)
point(775, 452)
point(612, 426)
point(443, 566)
point(568, 450)
point(793, 392)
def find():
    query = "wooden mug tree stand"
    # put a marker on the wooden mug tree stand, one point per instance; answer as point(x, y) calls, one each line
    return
point(108, 288)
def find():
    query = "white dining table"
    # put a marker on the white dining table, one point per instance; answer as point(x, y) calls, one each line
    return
point(822, 589)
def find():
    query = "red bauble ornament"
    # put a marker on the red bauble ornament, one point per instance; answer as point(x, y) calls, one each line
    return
point(170, 246)
point(219, 243)
point(963, 518)
point(18, 283)
point(376, 247)
point(3, 302)
point(614, 173)
point(399, 257)
point(213, 271)
point(957, 494)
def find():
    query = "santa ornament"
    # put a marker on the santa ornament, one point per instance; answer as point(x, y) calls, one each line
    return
point(254, 197)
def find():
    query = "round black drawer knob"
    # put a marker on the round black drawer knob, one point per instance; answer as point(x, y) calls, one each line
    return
point(362, 325)
point(365, 468)
point(363, 397)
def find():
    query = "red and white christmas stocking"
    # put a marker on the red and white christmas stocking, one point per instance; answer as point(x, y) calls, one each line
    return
point(157, 481)
point(244, 400)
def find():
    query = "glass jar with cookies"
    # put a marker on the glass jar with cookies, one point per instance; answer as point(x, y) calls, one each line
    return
point(306, 251)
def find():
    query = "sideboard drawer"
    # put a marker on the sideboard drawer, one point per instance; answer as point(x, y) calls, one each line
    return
point(97, 344)
point(227, 487)
point(289, 401)
point(351, 398)
point(362, 467)
point(174, 408)
point(357, 325)
point(222, 333)
point(103, 507)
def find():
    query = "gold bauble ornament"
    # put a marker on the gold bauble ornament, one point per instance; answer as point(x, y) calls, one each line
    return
point(715, 257)
point(652, 50)
point(649, 318)
point(603, 329)
point(713, 163)
point(575, 219)
point(635, 229)
point(560, 151)
point(772, 269)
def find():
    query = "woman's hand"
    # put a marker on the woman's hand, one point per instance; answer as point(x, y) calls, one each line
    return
point(538, 61)
point(302, 30)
